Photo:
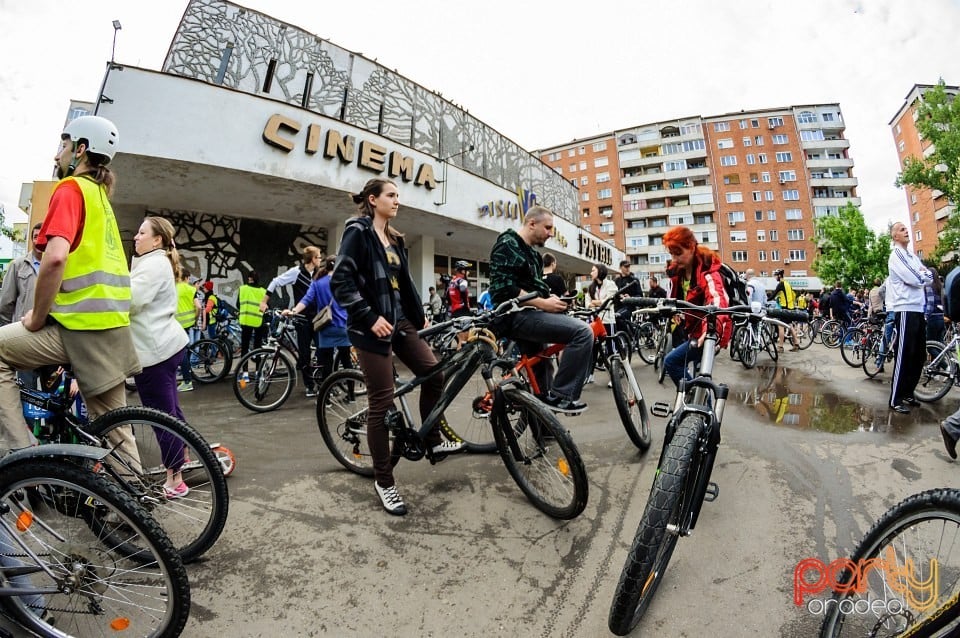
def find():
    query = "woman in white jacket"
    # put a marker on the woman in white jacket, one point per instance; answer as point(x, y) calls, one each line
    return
point(158, 337)
point(601, 288)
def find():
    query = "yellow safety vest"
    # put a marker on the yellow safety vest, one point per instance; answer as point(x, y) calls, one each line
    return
point(249, 309)
point(95, 291)
point(186, 311)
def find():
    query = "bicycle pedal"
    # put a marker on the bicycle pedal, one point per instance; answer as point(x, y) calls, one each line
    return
point(712, 492)
point(661, 409)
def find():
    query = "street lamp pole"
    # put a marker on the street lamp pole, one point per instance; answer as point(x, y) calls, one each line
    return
point(113, 49)
point(444, 160)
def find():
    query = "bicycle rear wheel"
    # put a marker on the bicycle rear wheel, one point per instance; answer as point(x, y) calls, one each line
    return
point(831, 332)
point(647, 334)
point(653, 544)
point(748, 350)
point(873, 355)
point(663, 348)
point(342, 418)
point(209, 360)
point(545, 462)
point(938, 374)
point(630, 405)
point(768, 340)
point(803, 334)
point(195, 521)
point(852, 347)
point(98, 589)
point(271, 382)
point(909, 538)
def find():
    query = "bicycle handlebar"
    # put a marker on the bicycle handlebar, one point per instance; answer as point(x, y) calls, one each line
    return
point(679, 305)
point(464, 323)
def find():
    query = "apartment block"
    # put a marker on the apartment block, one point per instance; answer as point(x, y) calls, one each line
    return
point(749, 184)
point(929, 209)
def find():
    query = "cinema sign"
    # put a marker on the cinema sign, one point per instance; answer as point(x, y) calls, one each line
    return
point(281, 132)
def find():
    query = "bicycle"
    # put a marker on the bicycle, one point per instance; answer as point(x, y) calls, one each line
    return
point(62, 572)
point(539, 453)
point(912, 537)
point(939, 372)
point(212, 359)
point(193, 522)
point(682, 480)
point(878, 349)
point(657, 342)
point(751, 336)
point(274, 368)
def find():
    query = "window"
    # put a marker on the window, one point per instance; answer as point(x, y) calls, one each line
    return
point(758, 215)
point(754, 178)
point(747, 141)
point(813, 135)
point(739, 255)
point(677, 165)
point(586, 212)
point(573, 180)
point(720, 127)
point(788, 176)
point(761, 235)
point(751, 159)
point(735, 216)
point(728, 160)
point(780, 139)
point(738, 236)
point(670, 149)
point(807, 117)
point(793, 214)
point(604, 193)
point(553, 157)
point(754, 123)
point(901, 145)
point(774, 255)
point(694, 145)
point(771, 216)
point(599, 146)
point(919, 236)
point(761, 255)
point(690, 129)
point(743, 124)
point(795, 234)
point(584, 180)
point(774, 235)
point(774, 121)
point(758, 140)
point(733, 178)
point(571, 152)
point(828, 117)
point(898, 129)
point(913, 198)
point(797, 255)
point(603, 177)
point(585, 197)
point(581, 150)
point(916, 217)
point(791, 195)
point(573, 168)
point(725, 143)
point(765, 177)
point(757, 196)
point(784, 156)
point(734, 197)
point(762, 157)
point(606, 227)
point(768, 195)
point(601, 161)
point(583, 166)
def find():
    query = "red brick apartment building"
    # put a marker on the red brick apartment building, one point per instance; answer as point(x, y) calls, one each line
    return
point(929, 209)
point(749, 184)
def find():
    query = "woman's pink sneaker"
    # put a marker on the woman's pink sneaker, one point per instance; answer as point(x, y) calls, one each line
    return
point(179, 491)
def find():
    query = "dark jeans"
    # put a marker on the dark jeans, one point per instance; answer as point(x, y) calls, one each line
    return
point(157, 386)
point(576, 361)
point(378, 375)
point(936, 329)
point(911, 349)
point(677, 363)
point(326, 358)
point(258, 335)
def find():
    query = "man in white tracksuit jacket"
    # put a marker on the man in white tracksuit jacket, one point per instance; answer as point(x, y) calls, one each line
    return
point(905, 298)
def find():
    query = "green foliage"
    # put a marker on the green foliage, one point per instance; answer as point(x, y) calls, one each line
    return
point(5, 230)
point(849, 250)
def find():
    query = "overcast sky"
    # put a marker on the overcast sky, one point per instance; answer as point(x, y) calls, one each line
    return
point(540, 72)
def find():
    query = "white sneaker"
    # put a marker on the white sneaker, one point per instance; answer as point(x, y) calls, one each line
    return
point(390, 498)
point(448, 447)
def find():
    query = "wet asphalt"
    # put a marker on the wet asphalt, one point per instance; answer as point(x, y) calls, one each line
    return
point(810, 457)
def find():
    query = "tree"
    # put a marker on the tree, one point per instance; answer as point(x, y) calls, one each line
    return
point(5, 230)
point(849, 251)
point(938, 121)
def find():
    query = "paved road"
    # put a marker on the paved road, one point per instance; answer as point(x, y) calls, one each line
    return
point(810, 457)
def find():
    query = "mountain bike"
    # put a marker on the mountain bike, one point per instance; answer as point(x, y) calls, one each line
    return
point(682, 481)
point(878, 349)
point(538, 452)
point(62, 571)
point(939, 372)
point(751, 336)
point(212, 359)
point(916, 541)
point(193, 522)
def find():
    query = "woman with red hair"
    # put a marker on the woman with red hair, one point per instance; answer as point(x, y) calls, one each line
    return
point(694, 273)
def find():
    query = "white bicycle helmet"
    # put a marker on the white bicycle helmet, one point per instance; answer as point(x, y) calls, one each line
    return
point(101, 134)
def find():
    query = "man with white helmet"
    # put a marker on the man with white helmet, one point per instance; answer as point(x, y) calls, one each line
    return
point(81, 309)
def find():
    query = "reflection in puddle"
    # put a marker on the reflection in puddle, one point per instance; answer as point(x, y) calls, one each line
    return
point(789, 397)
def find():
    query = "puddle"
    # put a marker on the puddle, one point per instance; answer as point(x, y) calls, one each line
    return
point(788, 397)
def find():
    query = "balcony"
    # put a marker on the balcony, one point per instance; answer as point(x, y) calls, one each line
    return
point(839, 202)
point(944, 213)
point(834, 182)
point(831, 145)
point(814, 164)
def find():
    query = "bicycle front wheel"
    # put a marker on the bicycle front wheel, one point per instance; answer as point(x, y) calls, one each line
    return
point(630, 405)
point(540, 455)
point(476, 431)
point(342, 418)
point(852, 348)
point(209, 360)
point(874, 356)
point(831, 332)
point(803, 334)
point(94, 588)
point(647, 334)
point(919, 539)
point(653, 544)
point(938, 374)
point(193, 521)
point(269, 384)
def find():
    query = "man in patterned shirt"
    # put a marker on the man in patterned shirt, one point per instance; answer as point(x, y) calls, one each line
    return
point(516, 269)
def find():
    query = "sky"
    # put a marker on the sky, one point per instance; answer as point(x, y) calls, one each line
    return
point(541, 72)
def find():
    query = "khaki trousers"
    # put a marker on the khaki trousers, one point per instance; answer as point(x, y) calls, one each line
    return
point(21, 349)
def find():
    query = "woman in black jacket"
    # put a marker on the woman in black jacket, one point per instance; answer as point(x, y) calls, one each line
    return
point(372, 282)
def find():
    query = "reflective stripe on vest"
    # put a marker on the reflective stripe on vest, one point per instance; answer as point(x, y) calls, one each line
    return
point(95, 291)
point(249, 301)
point(186, 312)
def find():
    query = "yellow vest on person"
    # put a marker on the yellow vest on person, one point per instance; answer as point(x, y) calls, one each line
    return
point(249, 309)
point(95, 291)
point(786, 297)
point(186, 311)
